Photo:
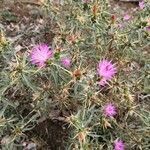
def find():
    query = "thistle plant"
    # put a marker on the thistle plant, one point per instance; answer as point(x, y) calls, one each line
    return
point(94, 72)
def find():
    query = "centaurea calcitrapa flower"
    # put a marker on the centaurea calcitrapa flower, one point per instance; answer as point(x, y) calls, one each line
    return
point(148, 28)
point(40, 54)
point(141, 5)
point(126, 17)
point(106, 70)
point(119, 145)
point(66, 62)
point(121, 25)
point(110, 110)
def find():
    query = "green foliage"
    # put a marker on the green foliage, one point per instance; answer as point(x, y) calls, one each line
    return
point(88, 33)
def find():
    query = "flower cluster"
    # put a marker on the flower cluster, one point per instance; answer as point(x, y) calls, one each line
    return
point(97, 103)
point(41, 53)
point(106, 69)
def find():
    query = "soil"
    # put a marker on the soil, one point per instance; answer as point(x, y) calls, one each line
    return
point(125, 5)
point(50, 135)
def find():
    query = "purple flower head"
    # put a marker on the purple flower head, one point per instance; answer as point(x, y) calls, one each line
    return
point(148, 28)
point(106, 69)
point(141, 5)
point(119, 145)
point(110, 110)
point(121, 25)
point(126, 17)
point(66, 62)
point(40, 54)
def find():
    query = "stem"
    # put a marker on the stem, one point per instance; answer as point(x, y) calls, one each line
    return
point(62, 68)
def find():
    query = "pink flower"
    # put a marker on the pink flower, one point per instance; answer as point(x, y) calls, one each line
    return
point(126, 17)
point(141, 5)
point(40, 54)
point(106, 70)
point(119, 145)
point(148, 28)
point(121, 25)
point(110, 110)
point(66, 62)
